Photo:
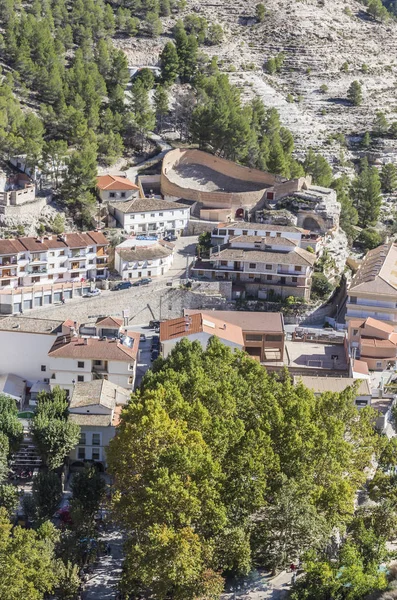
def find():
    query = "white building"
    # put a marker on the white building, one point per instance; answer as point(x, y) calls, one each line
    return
point(150, 215)
point(265, 266)
point(62, 353)
point(96, 406)
point(24, 346)
point(301, 237)
point(75, 359)
point(115, 189)
point(27, 261)
point(136, 259)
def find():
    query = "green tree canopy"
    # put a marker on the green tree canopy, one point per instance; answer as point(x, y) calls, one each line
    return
point(204, 447)
point(354, 93)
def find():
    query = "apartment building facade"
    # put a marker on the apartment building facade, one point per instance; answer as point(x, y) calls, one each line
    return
point(264, 266)
point(29, 261)
point(136, 259)
point(151, 215)
point(301, 237)
point(373, 290)
point(372, 342)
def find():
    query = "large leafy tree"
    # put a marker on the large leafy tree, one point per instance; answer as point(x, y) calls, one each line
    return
point(53, 434)
point(27, 562)
point(88, 489)
point(47, 493)
point(202, 453)
point(10, 425)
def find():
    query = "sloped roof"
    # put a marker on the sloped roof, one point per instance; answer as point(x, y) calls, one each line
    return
point(110, 322)
point(297, 256)
point(140, 253)
point(378, 271)
point(319, 385)
point(262, 322)
point(91, 420)
point(113, 182)
point(260, 227)
point(200, 323)
point(360, 366)
point(96, 392)
point(95, 349)
point(141, 205)
point(270, 241)
point(11, 247)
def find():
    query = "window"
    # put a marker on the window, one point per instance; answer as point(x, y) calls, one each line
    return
point(122, 194)
point(152, 214)
point(268, 267)
point(278, 234)
point(51, 254)
point(97, 363)
point(353, 300)
point(298, 268)
point(80, 364)
point(253, 337)
point(143, 216)
point(35, 279)
point(96, 454)
point(294, 279)
point(81, 453)
point(82, 440)
point(60, 276)
point(274, 338)
point(130, 380)
point(53, 376)
point(161, 214)
point(80, 378)
point(43, 368)
point(149, 273)
point(96, 439)
point(224, 263)
point(62, 253)
point(379, 365)
point(251, 276)
point(112, 195)
point(50, 276)
point(269, 277)
point(252, 265)
point(355, 331)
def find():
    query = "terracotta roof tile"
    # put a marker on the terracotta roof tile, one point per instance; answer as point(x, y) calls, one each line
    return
point(113, 182)
point(261, 322)
point(95, 349)
point(109, 322)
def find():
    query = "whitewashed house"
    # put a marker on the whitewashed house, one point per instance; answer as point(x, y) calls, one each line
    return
point(136, 259)
point(151, 215)
point(112, 188)
point(96, 406)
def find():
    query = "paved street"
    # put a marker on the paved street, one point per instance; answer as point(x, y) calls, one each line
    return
point(144, 303)
point(102, 584)
point(260, 586)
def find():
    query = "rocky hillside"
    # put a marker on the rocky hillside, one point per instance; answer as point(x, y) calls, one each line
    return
point(317, 37)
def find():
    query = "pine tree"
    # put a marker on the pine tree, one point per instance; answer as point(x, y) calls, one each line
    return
point(260, 12)
point(388, 178)
point(354, 93)
point(380, 124)
point(366, 194)
point(143, 114)
point(161, 102)
point(169, 63)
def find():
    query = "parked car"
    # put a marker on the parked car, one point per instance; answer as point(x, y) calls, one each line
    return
point(92, 293)
point(170, 238)
point(155, 342)
point(144, 281)
point(143, 337)
point(123, 285)
point(154, 324)
point(154, 354)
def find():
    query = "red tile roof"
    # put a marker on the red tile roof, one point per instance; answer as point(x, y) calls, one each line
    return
point(200, 323)
point(67, 346)
point(109, 322)
point(113, 182)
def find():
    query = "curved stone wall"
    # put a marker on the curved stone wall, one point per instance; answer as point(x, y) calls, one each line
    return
point(198, 176)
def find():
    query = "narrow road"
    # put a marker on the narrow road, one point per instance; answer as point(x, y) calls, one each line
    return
point(103, 581)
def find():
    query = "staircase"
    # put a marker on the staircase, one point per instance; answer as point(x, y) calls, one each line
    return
point(27, 456)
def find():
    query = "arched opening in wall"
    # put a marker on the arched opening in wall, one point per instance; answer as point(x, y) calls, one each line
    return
point(311, 224)
point(240, 213)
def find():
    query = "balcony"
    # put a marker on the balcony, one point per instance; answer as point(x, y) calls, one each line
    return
point(6, 262)
point(77, 255)
point(75, 267)
point(33, 270)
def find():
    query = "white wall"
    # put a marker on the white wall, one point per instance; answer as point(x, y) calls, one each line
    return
point(202, 337)
point(24, 353)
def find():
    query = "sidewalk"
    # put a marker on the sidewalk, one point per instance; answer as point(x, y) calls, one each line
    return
point(102, 584)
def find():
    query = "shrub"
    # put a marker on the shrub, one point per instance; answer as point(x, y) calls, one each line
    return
point(321, 287)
